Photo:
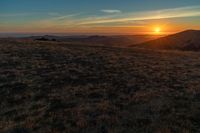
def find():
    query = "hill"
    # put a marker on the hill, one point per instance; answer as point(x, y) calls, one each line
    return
point(187, 40)
point(56, 87)
point(119, 40)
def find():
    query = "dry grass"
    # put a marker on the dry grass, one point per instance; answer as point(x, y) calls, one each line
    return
point(46, 87)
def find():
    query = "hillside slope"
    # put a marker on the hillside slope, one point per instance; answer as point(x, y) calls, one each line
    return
point(186, 40)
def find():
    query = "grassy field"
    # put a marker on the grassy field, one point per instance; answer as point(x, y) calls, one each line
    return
point(56, 88)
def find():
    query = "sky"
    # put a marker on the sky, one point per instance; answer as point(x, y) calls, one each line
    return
point(99, 16)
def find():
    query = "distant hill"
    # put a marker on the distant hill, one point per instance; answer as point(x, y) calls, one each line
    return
point(186, 40)
point(120, 40)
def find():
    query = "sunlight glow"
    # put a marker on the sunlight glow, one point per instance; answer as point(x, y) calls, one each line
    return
point(157, 30)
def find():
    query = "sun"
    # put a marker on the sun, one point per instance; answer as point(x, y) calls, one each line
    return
point(157, 30)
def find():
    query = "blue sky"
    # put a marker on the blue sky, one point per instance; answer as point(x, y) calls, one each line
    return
point(97, 16)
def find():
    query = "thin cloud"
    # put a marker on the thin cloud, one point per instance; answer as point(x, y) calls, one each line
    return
point(150, 15)
point(14, 14)
point(63, 17)
point(53, 14)
point(110, 11)
point(58, 21)
point(122, 19)
point(111, 19)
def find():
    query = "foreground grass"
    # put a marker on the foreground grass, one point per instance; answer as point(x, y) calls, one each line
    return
point(73, 88)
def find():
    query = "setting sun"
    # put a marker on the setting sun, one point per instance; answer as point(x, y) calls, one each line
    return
point(157, 30)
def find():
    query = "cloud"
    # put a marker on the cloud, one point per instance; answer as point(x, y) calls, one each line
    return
point(181, 12)
point(63, 17)
point(53, 14)
point(110, 11)
point(14, 14)
point(113, 18)
point(57, 21)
